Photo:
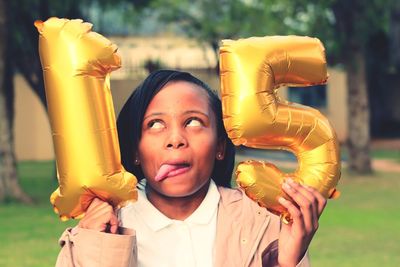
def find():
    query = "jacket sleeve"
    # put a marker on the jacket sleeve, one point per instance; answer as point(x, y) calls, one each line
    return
point(270, 257)
point(305, 261)
point(84, 247)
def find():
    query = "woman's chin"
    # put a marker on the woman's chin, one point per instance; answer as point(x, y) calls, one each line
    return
point(179, 191)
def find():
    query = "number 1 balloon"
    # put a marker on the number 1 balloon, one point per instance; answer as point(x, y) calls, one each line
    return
point(251, 71)
point(76, 64)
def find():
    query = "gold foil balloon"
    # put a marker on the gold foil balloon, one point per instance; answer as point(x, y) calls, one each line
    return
point(254, 115)
point(76, 64)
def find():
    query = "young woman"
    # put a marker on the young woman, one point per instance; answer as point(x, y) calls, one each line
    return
point(172, 138)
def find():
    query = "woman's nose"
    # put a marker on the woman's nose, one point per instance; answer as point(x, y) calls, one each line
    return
point(176, 140)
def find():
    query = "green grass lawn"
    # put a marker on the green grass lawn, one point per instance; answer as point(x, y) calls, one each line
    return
point(361, 228)
point(386, 154)
point(29, 234)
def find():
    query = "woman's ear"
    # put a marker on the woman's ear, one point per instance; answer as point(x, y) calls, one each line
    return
point(221, 145)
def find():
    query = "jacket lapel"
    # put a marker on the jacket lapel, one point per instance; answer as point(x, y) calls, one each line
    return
point(241, 224)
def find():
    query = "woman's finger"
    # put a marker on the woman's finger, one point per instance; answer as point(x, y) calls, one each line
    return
point(98, 215)
point(114, 223)
point(320, 199)
point(295, 214)
point(306, 206)
point(311, 198)
point(97, 206)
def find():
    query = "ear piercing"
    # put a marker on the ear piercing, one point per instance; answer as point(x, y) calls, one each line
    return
point(219, 156)
point(137, 162)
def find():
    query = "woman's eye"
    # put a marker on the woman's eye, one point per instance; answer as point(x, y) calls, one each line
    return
point(156, 125)
point(194, 122)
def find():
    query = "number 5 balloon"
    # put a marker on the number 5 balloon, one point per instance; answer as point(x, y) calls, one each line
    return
point(254, 116)
point(76, 64)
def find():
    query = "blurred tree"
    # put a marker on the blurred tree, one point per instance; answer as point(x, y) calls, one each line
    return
point(348, 27)
point(351, 22)
point(19, 53)
point(210, 21)
point(394, 29)
point(345, 27)
point(9, 186)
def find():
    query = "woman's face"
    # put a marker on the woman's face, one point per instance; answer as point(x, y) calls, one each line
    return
point(179, 140)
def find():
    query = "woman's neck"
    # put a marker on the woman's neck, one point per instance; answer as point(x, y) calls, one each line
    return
point(177, 208)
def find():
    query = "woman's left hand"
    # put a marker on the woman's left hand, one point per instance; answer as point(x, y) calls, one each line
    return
point(305, 211)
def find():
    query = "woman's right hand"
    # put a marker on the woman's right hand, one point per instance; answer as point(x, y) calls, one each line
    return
point(100, 216)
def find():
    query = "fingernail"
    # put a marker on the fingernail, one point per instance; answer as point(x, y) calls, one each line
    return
point(281, 200)
point(286, 186)
point(290, 181)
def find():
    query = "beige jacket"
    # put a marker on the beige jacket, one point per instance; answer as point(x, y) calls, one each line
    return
point(246, 236)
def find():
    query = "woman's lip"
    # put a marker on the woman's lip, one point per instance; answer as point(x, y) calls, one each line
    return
point(176, 162)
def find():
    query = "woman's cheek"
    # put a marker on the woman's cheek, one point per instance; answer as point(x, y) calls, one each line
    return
point(148, 170)
point(147, 158)
point(209, 149)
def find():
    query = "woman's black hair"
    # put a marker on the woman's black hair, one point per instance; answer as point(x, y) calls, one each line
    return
point(130, 119)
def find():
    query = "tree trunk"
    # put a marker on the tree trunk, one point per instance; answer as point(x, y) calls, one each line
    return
point(9, 186)
point(359, 132)
point(394, 30)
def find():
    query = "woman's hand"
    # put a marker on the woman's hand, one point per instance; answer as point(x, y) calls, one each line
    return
point(296, 236)
point(100, 216)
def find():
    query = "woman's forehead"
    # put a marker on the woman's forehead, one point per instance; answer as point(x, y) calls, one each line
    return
point(180, 94)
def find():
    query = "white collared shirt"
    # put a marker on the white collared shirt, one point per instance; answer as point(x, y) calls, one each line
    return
point(163, 242)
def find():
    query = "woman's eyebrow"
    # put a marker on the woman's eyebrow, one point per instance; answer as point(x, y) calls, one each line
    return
point(153, 114)
point(195, 112)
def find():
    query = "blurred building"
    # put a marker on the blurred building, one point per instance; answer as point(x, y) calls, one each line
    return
point(174, 52)
point(32, 131)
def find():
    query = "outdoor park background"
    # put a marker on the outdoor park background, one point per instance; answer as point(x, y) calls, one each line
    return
point(361, 99)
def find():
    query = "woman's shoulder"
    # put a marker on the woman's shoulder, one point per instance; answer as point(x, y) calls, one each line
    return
point(236, 208)
point(236, 199)
point(230, 193)
point(234, 196)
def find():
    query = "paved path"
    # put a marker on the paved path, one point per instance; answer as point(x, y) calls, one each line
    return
point(386, 165)
point(390, 144)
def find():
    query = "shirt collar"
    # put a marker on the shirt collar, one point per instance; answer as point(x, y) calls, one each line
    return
point(150, 214)
point(157, 220)
point(208, 207)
